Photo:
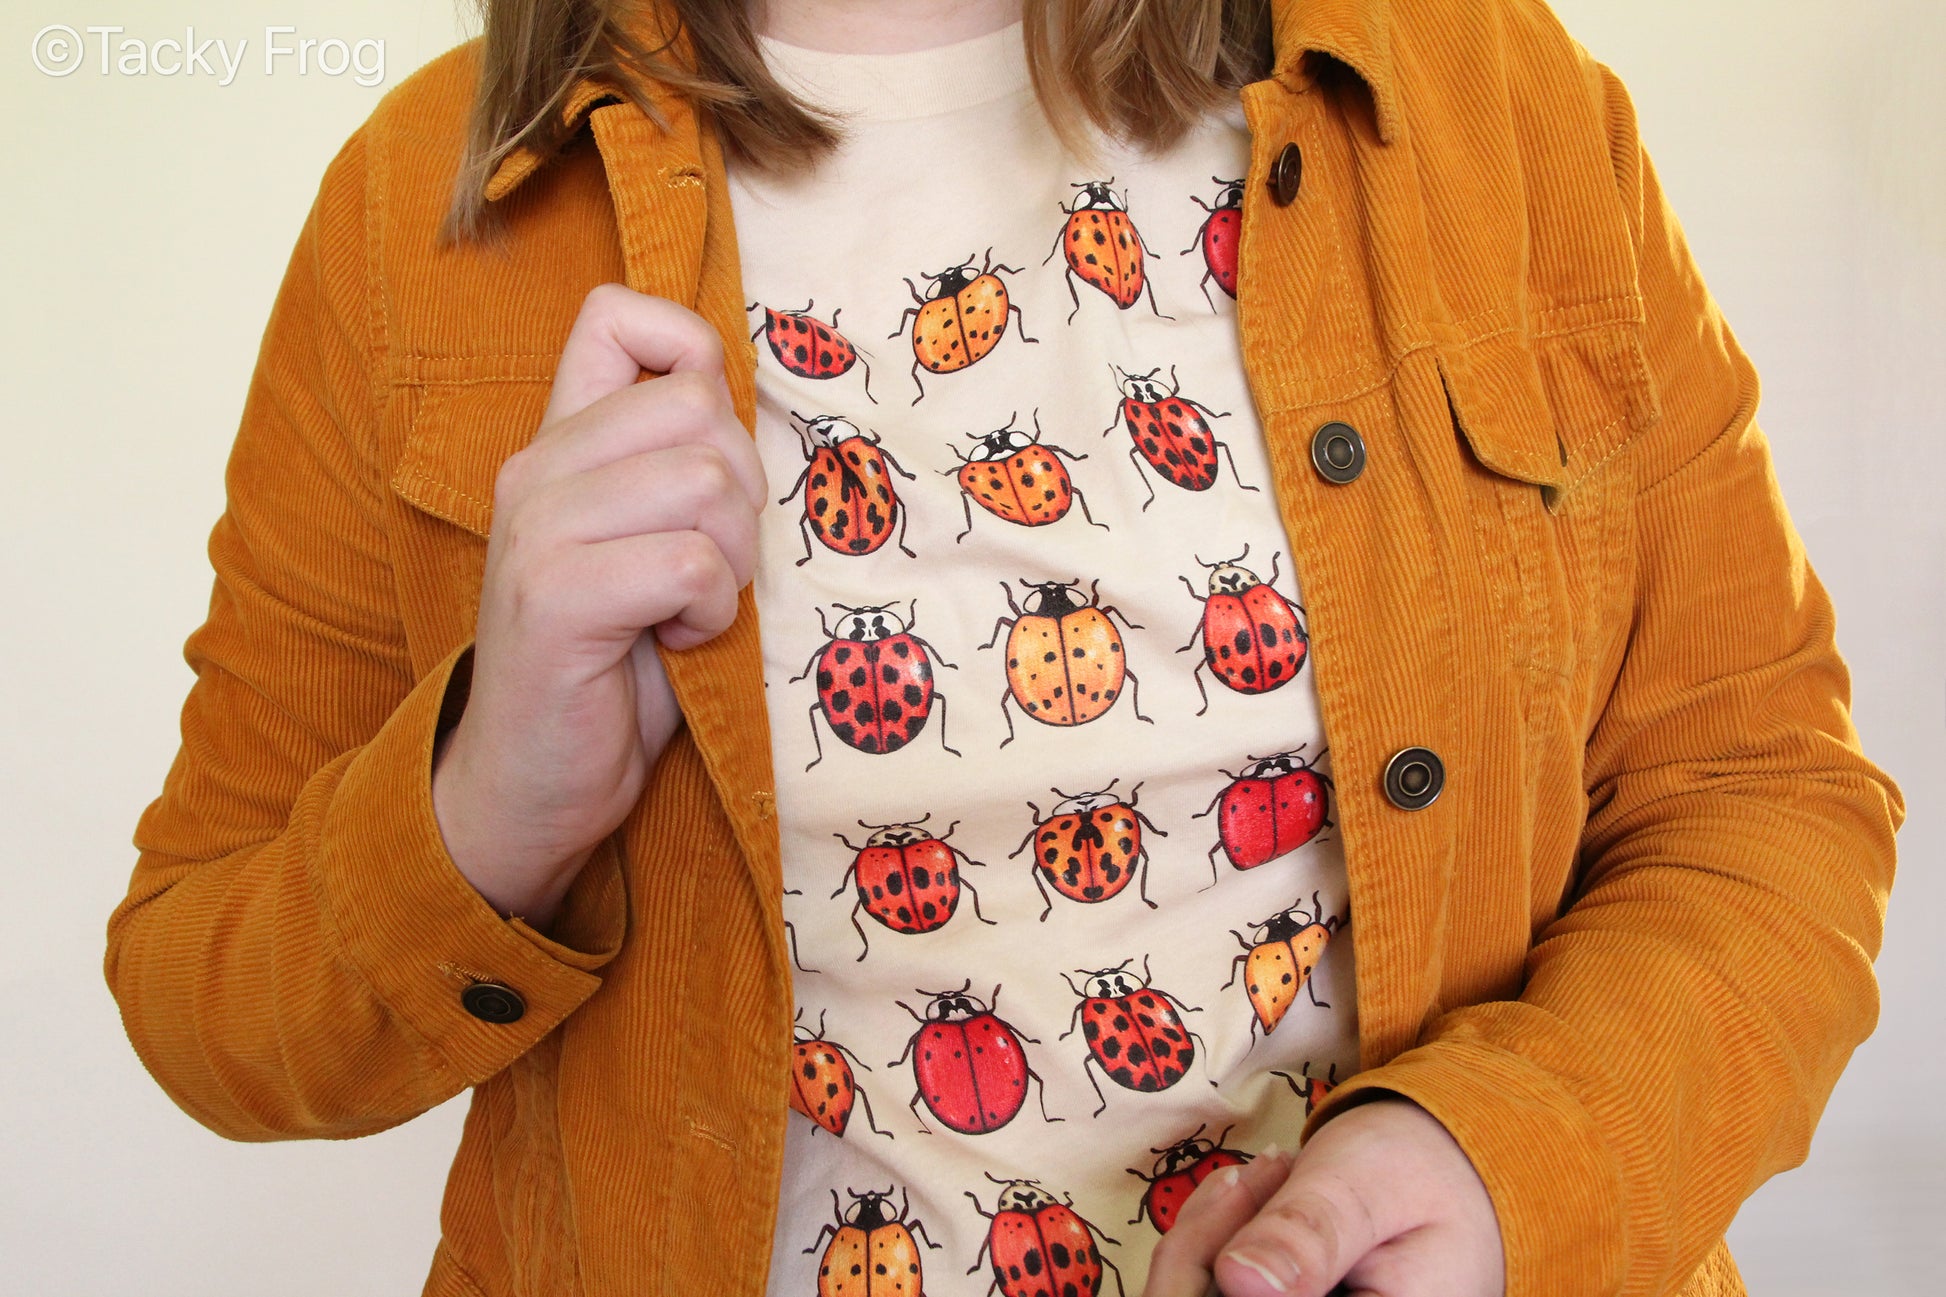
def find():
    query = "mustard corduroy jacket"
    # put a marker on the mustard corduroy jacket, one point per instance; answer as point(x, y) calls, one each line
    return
point(1623, 956)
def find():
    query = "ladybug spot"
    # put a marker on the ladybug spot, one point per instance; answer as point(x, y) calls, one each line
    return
point(840, 701)
point(859, 676)
point(800, 354)
point(891, 711)
point(1032, 1260)
point(864, 713)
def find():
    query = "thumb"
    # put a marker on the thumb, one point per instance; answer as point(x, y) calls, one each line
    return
point(1302, 1242)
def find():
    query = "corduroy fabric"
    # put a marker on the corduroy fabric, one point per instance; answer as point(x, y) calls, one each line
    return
point(1623, 958)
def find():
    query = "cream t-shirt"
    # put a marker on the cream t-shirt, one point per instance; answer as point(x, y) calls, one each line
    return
point(1052, 785)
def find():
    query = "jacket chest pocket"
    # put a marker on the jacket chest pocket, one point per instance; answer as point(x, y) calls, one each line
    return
point(459, 435)
point(1550, 486)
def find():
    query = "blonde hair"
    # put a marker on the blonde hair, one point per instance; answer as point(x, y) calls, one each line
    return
point(1142, 70)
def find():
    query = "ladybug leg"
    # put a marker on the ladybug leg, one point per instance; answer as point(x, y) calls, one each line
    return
point(1021, 320)
point(1225, 449)
point(870, 1120)
point(866, 365)
point(994, 638)
point(799, 485)
point(1006, 696)
point(1074, 296)
point(1047, 902)
point(1036, 1077)
point(976, 898)
point(816, 743)
point(1214, 848)
point(905, 516)
point(914, 1105)
point(804, 532)
point(966, 503)
point(1204, 285)
point(790, 932)
point(897, 467)
point(1149, 284)
point(863, 941)
point(916, 383)
point(1134, 695)
point(1113, 1268)
point(940, 698)
point(918, 1228)
point(1083, 501)
point(1311, 987)
point(1235, 963)
point(1142, 879)
point(1136, 460)
point(1087, 1070)
point(1201, 692)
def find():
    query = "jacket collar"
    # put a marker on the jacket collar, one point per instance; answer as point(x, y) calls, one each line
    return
point(1355, 33)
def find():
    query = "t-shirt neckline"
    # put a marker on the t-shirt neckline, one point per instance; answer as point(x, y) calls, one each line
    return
point(895, 87)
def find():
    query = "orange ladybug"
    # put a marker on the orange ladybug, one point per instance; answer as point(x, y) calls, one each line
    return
point(959, 319)
point(1065, 664)
point(1018, 478)
point(1279, 958)
point(1089, 846)
point(872, 1252)
point(822, 1087)
point(850, 506)
point(1103, 247)
point(1310, 1088)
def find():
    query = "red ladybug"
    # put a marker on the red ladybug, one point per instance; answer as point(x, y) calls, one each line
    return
point(1017, 478)
point(822, 1086)
point(809, 347)
point(1103, 247)
point(1274, 807)
point(968, 1065)
point(875, 683)
point(1252, 637)
point(1089, 846)
point(1310, 1088)
point(1171, 433)
point(1134, 1032)
point(906, 878)
point(1220, 237)
point(1039, 1245)
point(1182, 1166)
point(850, 506)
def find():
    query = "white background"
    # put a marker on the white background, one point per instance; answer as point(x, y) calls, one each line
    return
point(146, 222)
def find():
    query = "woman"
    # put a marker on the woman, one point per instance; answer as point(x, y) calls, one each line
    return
point(489, 778)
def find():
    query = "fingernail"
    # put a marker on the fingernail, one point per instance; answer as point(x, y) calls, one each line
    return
point(1271, 1153)
point(1272, 1271)
point(1227, 1178)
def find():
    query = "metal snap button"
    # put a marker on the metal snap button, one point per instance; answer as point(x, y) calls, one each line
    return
point(492, 1002)
point(1338, 453)
point(1287, 174)
point(1413, 778)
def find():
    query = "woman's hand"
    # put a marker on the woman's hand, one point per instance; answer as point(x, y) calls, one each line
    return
point(633, 510)
point(1380, 1202)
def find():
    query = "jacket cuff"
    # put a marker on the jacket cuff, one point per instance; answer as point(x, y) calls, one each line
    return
point(419, 931)
point(1556, 1192)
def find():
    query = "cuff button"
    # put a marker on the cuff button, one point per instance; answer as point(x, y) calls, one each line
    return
point(492, 1002)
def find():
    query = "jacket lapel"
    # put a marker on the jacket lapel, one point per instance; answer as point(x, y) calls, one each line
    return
point(674, 217)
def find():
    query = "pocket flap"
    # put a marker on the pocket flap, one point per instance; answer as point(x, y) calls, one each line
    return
point(1551, 412)
point(460, 437)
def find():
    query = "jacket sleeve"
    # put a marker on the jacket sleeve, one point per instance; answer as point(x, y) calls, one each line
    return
point(1683, 1022)
point(290, 957)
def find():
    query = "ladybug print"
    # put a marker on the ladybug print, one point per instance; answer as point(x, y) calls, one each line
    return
point(822, 1087)
point(790, 934)
point(1171, 433)
point(1089, 846)
point(1274, 807)
point(1103, 247)
point(906, 878)
point(1018, 479)
point(968, 1065)
point(1220, 237)
point(1279, 958)
point(1135, 1034)
point(874, 1251)
point(1180, 1168)
point(808, 347)
point(1065, 664)
point(1252, 637)
point(1039, 1245)
point(959, 318)
point(1309, 1088)
point(875, 685)
point(849, 502)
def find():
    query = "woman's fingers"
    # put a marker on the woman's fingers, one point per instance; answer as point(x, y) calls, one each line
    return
point(618, 335)
point(1181, 1264)
point(1314, 1229)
